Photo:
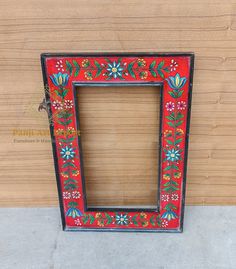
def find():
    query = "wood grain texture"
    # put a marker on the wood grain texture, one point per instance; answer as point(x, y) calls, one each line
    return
point(30, 27)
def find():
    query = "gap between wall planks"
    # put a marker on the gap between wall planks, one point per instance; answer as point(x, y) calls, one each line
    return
point(119, 129)
point(32, 27)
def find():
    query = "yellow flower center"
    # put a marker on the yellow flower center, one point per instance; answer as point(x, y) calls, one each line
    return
point(114, 69)
point(60, 80)
point(172, 155)
point(177, 81)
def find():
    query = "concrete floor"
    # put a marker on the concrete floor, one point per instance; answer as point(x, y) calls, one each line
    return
point(32, 239)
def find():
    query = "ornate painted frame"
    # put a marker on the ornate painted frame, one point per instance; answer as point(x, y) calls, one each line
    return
point(174, 73)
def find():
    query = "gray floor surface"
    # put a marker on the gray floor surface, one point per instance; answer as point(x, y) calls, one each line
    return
point(32, 238)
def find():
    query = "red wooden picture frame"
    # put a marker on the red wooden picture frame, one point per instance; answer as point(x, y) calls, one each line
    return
point(173, 72)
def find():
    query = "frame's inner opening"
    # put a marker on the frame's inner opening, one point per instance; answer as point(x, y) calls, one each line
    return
point(120, 141)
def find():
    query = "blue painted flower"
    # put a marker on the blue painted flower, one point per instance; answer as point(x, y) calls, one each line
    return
point(115, 70)
point(169, 215)
point(60, 79)
point(67, 153)
point(173, 155)
point(176, 82)
point(122, 219)
point(74, 213)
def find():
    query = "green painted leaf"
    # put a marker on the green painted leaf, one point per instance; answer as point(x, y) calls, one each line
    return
point(70, 139)
point(70, 180)
point(179, 116)
point(77, 68)
point(167, 184)
point(70, 186)
point(134, 220)
point(167, 168)
point(178, 141)
point(64, 115)
point(170, 117)
point(85, 219)
point(158, 219)
point(99, 69)
point(169, 142)
point(69, 67)
point(179, 123)
point(170, 124)
point(166, 69)
point(152, 65)
point(161, 74)
point(168, 134)
point(58, 93)
point(152, 221)
point(68, 122)
point(174, 167)
point(91, 219)
point(172, 94)
point(68, 164)
point(63, 140)
point(67, 140)
point(61, 122)
point(171, 188)
point(180, 93)
point(170, 206)
point(109, 218)
point(64, 92)
point(153, 73)
point(130, 69)
point(161, 64)
point(97, 64)
point(108, 60)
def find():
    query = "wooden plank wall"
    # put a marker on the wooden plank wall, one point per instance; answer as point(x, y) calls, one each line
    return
point(119, 133)
point(29, 27)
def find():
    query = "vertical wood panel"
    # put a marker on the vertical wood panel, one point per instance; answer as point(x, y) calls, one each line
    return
point(119, 131)
point(30, 27)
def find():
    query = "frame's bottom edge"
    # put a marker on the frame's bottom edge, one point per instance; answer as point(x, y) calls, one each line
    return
point(75, 229)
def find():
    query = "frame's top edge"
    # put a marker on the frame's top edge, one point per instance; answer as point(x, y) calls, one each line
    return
point(107, 54)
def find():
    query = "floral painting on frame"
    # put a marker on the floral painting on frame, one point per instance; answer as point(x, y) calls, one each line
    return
point(173, 72)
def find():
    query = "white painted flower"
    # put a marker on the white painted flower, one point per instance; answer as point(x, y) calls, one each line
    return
point(66, 195)
point(68, 103)
point(59, 66)
point(170, 106)
point(165, 197)
point(173, 65)
point(181, 105)
point(57, 104)
point(174, 197)
point(164, 223)
point(76, 194)
point(77, 222)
